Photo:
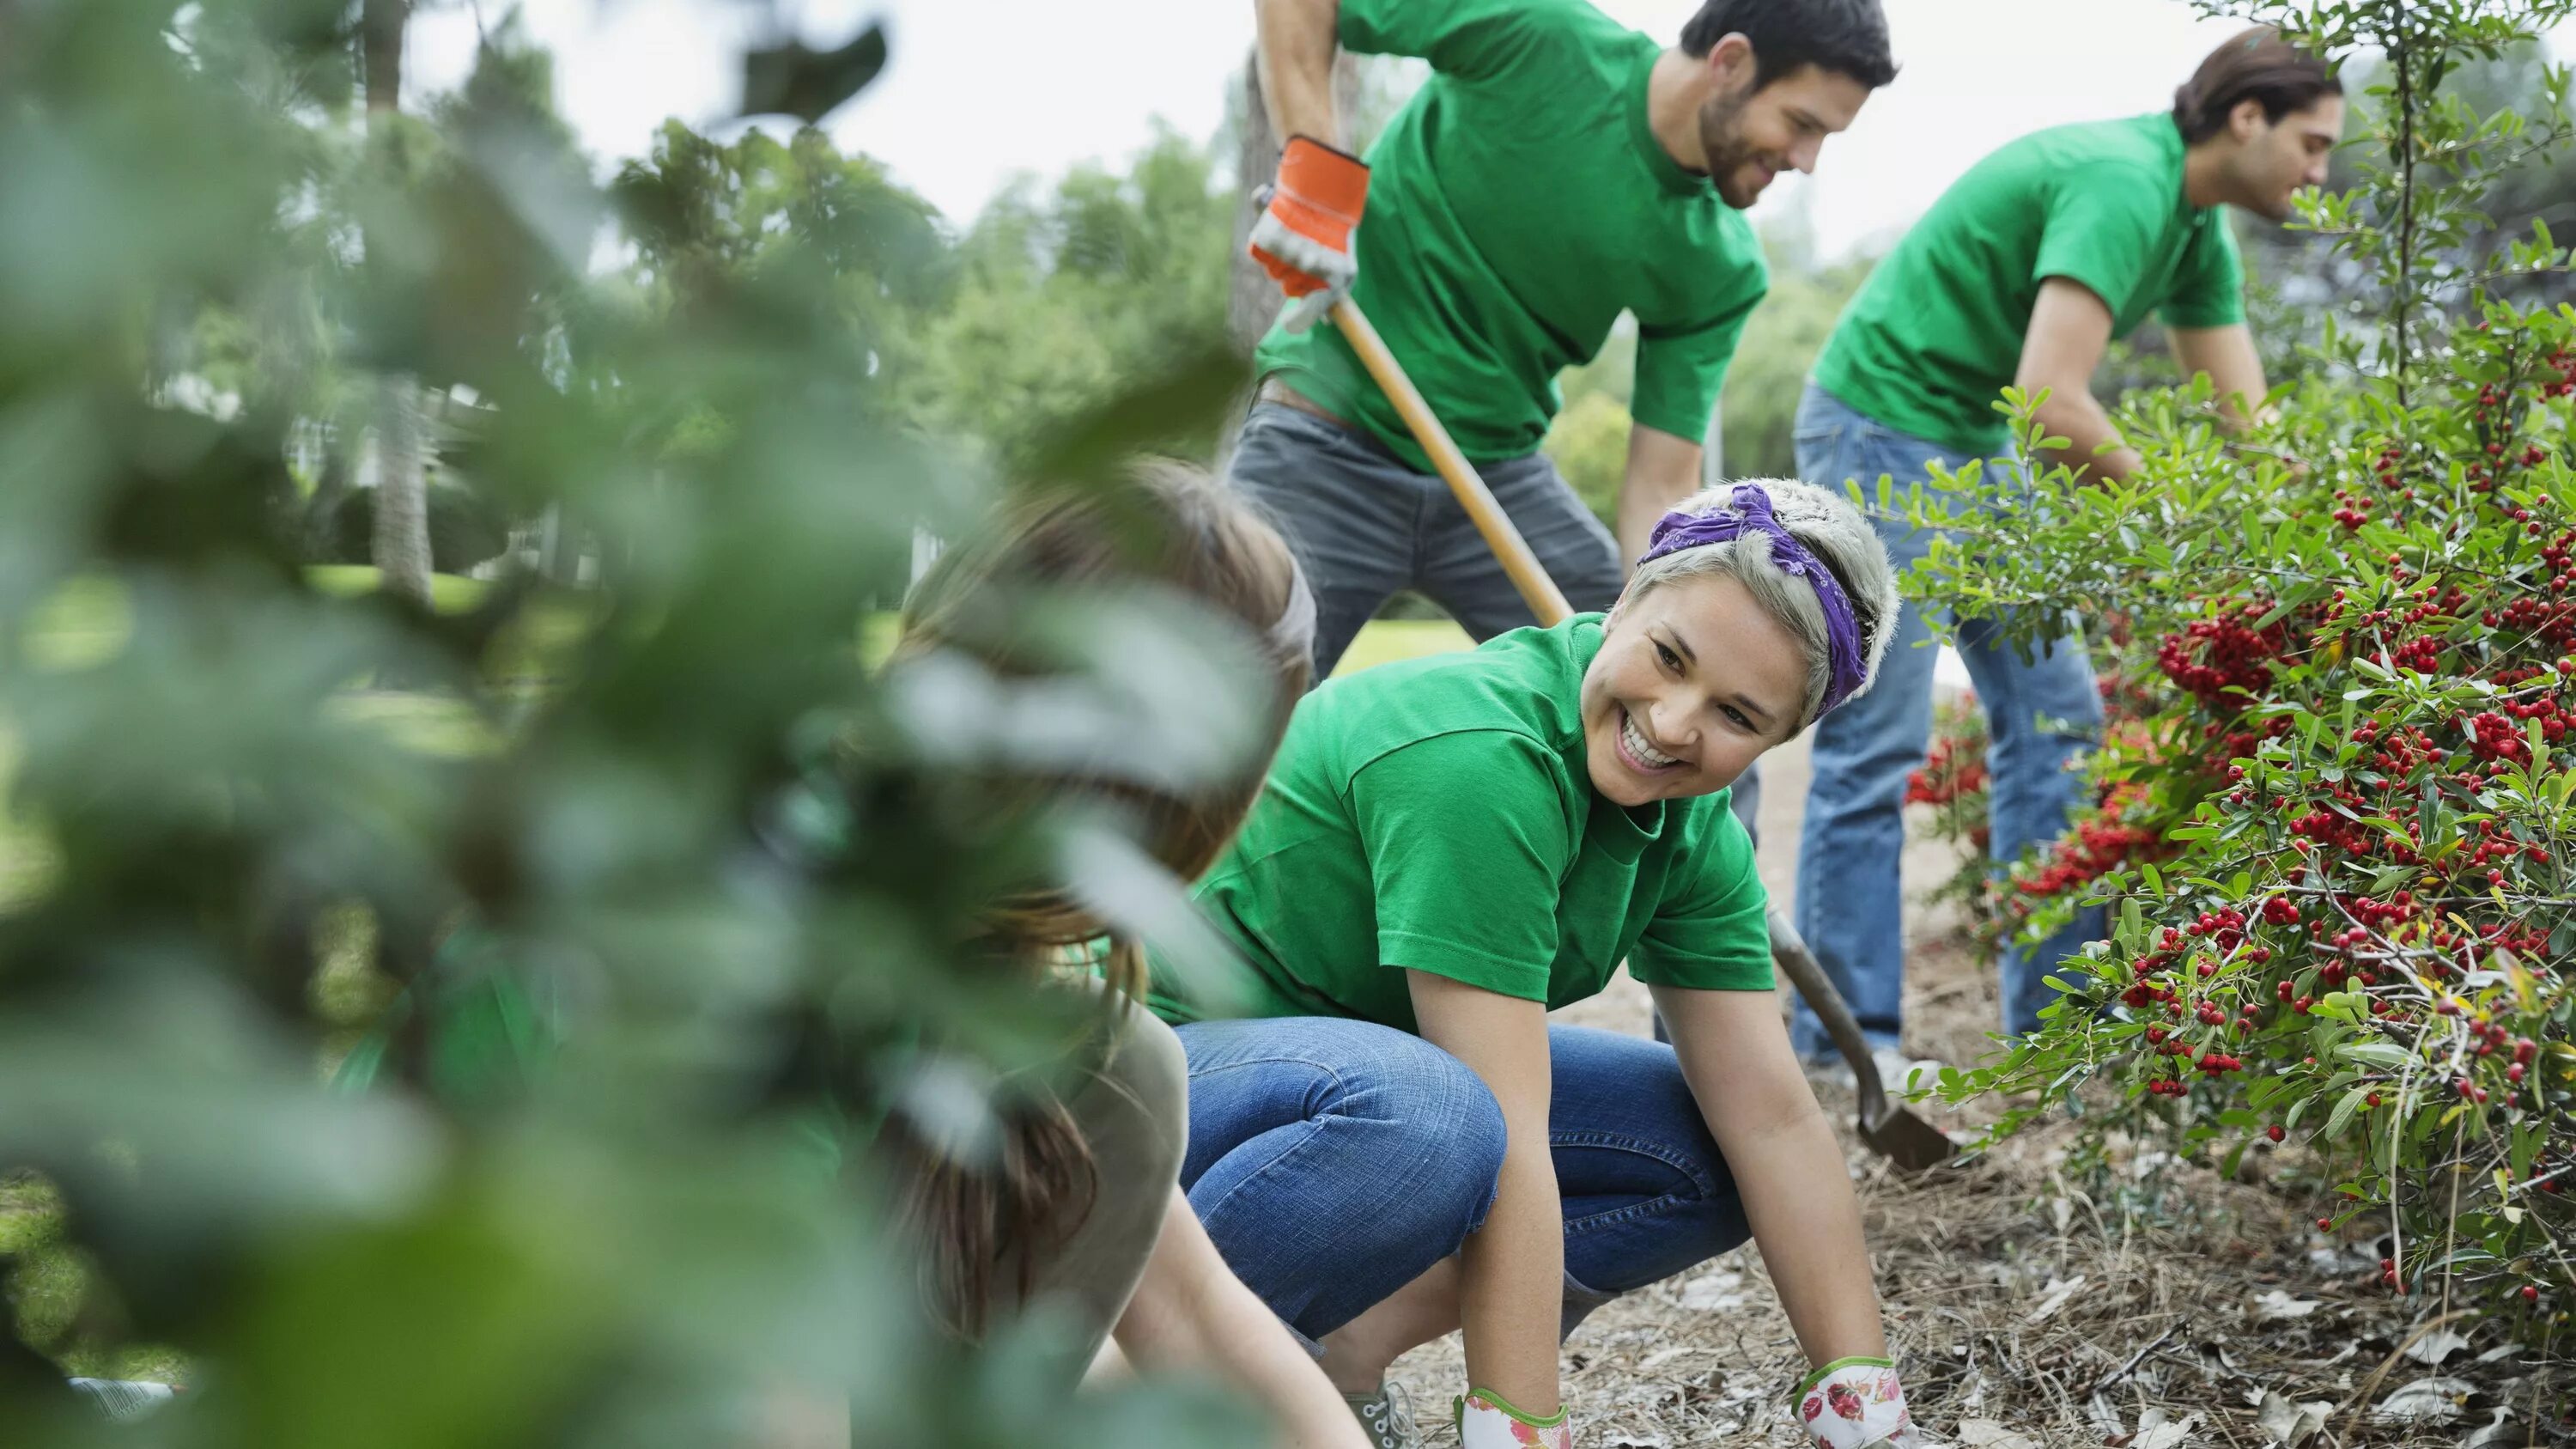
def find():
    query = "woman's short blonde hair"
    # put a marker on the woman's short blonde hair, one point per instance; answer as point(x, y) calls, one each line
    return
point(1834, 531)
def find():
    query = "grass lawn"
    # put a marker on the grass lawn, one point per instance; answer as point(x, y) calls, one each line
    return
point(1383, 641)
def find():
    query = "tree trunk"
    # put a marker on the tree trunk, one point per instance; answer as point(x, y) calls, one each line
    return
point(322, 510)
point(380, 53)
point(1252, 299)
point(401, 543)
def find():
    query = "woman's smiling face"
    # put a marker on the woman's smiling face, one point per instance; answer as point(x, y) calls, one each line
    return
point(1694, 680)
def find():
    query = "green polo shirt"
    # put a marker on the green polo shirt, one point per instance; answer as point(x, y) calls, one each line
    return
point(1516, 207)
point(1438, 815)
point(1936, 333)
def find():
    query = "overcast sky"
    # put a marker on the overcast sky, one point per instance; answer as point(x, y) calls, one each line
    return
point(981, 90)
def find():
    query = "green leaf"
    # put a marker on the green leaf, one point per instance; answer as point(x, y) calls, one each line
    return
point(2343, 1111)
point(807, 84)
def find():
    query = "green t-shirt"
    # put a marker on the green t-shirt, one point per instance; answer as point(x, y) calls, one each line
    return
point(1936, 332)
point(1516, 206)
point(1437, 815)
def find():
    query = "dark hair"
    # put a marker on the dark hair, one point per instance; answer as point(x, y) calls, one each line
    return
point(1848, 37)
point(2257, 65)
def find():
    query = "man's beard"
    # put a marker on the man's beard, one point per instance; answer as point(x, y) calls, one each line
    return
point(2275, 206)
point(1721, 138)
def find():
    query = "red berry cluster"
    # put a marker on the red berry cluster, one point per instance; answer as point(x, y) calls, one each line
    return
point(2493, 737)
point(2095, 847)
point(1952, 768)
point(2220, 661)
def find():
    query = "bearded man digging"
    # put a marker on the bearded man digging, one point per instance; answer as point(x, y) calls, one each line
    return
point(1556, 170)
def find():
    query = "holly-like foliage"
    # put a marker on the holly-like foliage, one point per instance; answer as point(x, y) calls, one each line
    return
point(2333, 820)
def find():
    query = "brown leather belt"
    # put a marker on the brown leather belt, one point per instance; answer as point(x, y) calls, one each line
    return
point(1275, 391)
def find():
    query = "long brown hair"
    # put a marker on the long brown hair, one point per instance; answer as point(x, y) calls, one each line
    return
point(2254, 65)
point(1167, 524)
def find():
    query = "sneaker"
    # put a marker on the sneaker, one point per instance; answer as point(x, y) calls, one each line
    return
point(1387, 1415)
point(124, 1400)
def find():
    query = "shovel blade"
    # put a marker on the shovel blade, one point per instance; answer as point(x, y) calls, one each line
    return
point(1907, 1140)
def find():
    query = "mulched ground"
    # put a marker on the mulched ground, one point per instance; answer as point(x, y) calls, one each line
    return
point(2045, 1294)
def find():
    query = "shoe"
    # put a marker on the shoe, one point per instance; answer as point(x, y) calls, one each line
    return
point(1387, 1415)
point(124, 1400)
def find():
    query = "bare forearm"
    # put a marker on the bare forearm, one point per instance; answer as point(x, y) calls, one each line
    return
point(1662, 471)
point(1513, 1285)
point(1807, 1223)
point(2235, 369)
point(2074, 415)
point(1298, 43)
point(1191, 1312)
point(1787, 1165)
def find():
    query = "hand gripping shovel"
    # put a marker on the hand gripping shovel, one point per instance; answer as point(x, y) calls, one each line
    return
point(1899, 1135)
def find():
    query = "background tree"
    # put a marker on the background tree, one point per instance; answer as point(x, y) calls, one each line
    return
point(401, 533)
point(1063, 291)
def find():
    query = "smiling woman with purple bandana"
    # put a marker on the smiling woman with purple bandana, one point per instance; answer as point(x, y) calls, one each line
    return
point(1392, 1141)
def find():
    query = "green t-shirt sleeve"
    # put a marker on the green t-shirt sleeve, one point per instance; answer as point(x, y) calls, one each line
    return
point(1466, 840)
point(1680, 373)
point(1471, 39)
point(2209, 288)
point(2101, 232)
point(1710, 933)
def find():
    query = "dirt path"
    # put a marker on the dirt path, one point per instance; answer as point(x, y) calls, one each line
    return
point(2043, 1295)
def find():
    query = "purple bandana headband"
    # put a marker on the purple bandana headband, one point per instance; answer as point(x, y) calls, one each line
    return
point(1751, 512)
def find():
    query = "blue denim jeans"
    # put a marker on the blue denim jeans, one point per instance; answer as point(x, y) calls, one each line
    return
point(1334, 1161)
point(2039, 714)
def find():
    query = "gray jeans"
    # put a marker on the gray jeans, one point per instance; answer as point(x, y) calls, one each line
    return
point(1365, 525)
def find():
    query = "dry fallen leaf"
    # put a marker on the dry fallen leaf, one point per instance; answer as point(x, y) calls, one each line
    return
point(2425, 1401)
point(2155, 1431)
point(2436, 1346)
point(2056, 1295)
point(2277, 1305)
point(2497, 1431)
point(1991, 1434)
point(2291, 1424)
point(1713, 1292)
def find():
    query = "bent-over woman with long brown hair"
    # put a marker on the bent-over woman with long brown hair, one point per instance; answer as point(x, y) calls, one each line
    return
point(1080, 1211)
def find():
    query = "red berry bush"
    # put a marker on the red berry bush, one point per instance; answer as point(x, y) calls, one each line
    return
point(2332, 810)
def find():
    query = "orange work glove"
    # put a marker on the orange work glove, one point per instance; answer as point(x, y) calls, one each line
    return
point(1304, 235)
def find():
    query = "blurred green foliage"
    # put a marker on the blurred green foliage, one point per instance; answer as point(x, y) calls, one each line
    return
point(735, 856)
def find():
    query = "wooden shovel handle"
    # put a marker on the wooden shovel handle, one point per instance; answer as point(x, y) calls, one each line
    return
point(1519, 564)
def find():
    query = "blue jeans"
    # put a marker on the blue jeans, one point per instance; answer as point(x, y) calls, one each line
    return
point(1334, 1161)
point(2039, 714)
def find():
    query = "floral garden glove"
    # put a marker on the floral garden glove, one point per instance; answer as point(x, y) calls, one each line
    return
point(1856, 1403)
point(1303, 236)
point(1486, 1422)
